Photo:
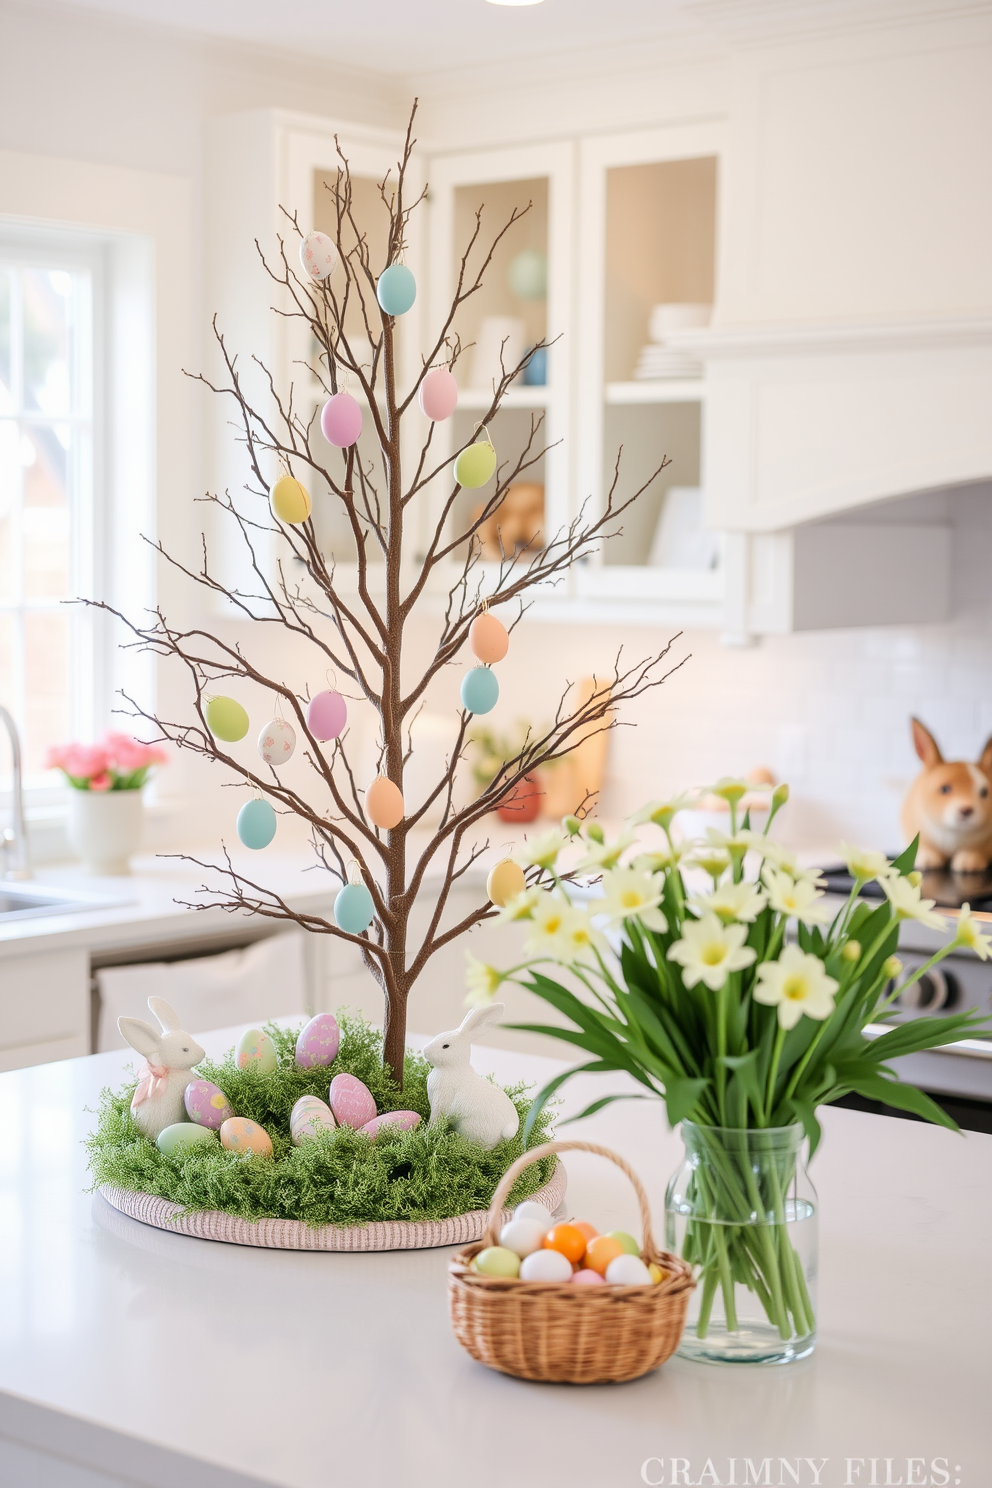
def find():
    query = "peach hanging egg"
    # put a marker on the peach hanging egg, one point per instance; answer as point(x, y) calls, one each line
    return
point(505, 882)
point(488, 638)
point(384, 804)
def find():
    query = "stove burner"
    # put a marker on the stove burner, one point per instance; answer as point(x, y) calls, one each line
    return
point(949, 890)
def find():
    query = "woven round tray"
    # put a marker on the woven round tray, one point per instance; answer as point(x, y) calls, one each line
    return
point(557, 1331)
point(293, 1234)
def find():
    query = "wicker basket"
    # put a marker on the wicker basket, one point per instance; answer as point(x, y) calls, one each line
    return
point(556, 1331)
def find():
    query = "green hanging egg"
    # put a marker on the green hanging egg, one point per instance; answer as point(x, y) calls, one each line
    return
point(226, 719)
point(475, 465)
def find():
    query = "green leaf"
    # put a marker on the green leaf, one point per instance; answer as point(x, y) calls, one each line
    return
point(806, 1112)
point(681, 1096)
point(547, 1091)
point(745, 1071)
point(597, 1105)
point(892, 1092)
point(906, 861)
point(923, 1033)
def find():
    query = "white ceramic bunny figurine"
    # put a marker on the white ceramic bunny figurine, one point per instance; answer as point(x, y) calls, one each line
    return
point(170, 1055)
point(478, 1108)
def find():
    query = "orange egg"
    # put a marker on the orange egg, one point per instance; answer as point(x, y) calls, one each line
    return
point(567, 1239)
point(488, 638)
point(590, 1231)
point(384, 803)
point(601, 1251)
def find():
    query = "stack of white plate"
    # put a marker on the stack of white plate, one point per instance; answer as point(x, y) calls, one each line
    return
point(659, 359)
point(666, 361)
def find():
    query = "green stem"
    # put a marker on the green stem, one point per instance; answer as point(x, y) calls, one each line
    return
point(773, 1076)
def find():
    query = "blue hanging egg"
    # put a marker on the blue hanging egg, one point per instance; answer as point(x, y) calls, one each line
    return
point(353, 909)
point(396, 289)
point(256, 824)
point(480, 690)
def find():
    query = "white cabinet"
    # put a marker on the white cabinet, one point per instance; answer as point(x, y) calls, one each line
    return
point(44, 1007)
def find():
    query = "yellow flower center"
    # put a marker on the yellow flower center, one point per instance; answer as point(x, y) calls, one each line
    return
point(794, 988)
point(553, 924)
point(630, 899)
point(713, 954)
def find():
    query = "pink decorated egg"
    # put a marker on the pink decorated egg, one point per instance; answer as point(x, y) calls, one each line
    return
point(588, 1278)
point(318, 255)
point(238, 1134)
point(438, 394)
point(310, 1116)
point(488, 638)
point(327, 714)
point(351, 1101)
point(405, 1120)
point(318, 1041)
point(206, 1104)
point(341, 420)
point(276, 742)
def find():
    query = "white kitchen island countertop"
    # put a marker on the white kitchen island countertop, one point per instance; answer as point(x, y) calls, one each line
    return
point(131, 1356)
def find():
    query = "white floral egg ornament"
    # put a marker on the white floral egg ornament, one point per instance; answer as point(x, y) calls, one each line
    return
point(277, 742)
point(318, 255)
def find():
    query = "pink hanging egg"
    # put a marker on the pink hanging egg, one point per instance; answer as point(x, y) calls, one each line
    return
point(327, 714)
point(351, 1101)
point(438, 394)
point(341, 420)
point(488, 638)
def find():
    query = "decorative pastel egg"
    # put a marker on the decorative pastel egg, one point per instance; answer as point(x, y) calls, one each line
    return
point(184, 1134)
point(289, 500)
point(226, 719)
point(587, 1278)
point(256, 824)
point(480, 690)
point(404, 1120)
point(627, 1243)
point(396, 289)
point(546, 1265)
point(318, 1041)
point(438, 394)
point(309, 1117)
point(318, 255)
point(567, 1240)
point(496, 1261)
point(590, 1231)
point(241, 1135)
point(522, 1236)
point(257, 1051)
point(527, 275)
point(531, 1209)
point(488, 638)
point(384, 803)
point(475, 465)
point(601, 1251)
point(505, 882)
point(351, 1101)
point(536, 370)
point(277, 742)
point(354, 910)
point(656, 1273)
point(327, 714)
point(341, 420)
point(206, 1104)
point(628, 1270)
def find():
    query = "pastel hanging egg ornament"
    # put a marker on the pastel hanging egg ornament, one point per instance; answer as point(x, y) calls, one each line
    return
point(256, 824)
point(438, 394)
point(289, 500)
point(475, 465)
point(256, 1051)
point(351, 1101)
point(488, 638)
point(341, 420)
point(206, 1104)
point(480, 690)
point(277, 742)
point(226, 719)
point(505, 882)
point(327, 714)
point(318, 1041)
point(318, 255)
point(384, 804)
point(396, 289)
point(354, 910)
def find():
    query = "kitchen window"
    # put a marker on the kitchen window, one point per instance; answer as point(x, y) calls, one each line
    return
point(50, 401)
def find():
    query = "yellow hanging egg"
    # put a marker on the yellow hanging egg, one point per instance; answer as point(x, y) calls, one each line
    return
point(289, 500)
point(384, 804)
point(475, 465)
point(505, 882)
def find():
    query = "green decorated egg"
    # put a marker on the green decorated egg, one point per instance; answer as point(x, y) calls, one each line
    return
point(184, 1134)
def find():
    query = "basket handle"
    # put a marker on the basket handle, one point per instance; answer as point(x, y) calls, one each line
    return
point(546, 1149)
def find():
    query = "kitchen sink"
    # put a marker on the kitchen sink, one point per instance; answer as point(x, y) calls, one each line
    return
point(29, 902)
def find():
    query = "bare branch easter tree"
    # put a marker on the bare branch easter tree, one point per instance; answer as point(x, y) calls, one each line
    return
point(355, 621)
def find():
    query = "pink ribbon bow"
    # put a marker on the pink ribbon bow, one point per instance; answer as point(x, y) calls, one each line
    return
point(153, 1079)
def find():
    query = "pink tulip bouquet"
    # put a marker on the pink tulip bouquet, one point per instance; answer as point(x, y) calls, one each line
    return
point(118, 763)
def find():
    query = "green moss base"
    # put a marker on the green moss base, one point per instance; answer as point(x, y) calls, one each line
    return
point(341, 1178)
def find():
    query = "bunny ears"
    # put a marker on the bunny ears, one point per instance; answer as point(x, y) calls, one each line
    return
point(141, 1035)
point(481, 1017)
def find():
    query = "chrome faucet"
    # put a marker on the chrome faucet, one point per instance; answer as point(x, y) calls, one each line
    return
point(14, 840)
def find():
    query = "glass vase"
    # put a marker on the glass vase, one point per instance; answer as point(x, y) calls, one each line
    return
point(742, 1211)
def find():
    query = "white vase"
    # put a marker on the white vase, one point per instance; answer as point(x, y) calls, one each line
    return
point(104, 828)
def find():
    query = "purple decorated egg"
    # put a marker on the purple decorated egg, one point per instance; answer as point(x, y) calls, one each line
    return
point(318, 1041)
point(206, 1104)
point(351, 1101)
point(341, 420)
point(405, 1120)
point(438, 394)
point(327, 714)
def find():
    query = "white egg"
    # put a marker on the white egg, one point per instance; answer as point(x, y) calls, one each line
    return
point(522, 1236)
point(531, 1209)
point(628, 1270)
point(546, 1265)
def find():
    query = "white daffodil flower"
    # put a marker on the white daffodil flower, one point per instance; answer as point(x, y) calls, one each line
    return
point(864, 864)
point(604, 855)
point(709, 951)
point(632, 895)
point(659, 861)
point(908, 904)
point(543, 851)
point(968, 935)
point(482, 981)
point(796, 984)
point(794, 897)
point(548, 935)
point(786, 860)
point(581, 939)
point(520, 907)
point(712, 860)
point(662, 812)
point(729, 789)
point(730, 901)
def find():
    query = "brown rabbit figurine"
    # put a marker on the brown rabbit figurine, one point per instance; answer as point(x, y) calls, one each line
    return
point(950, 806)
